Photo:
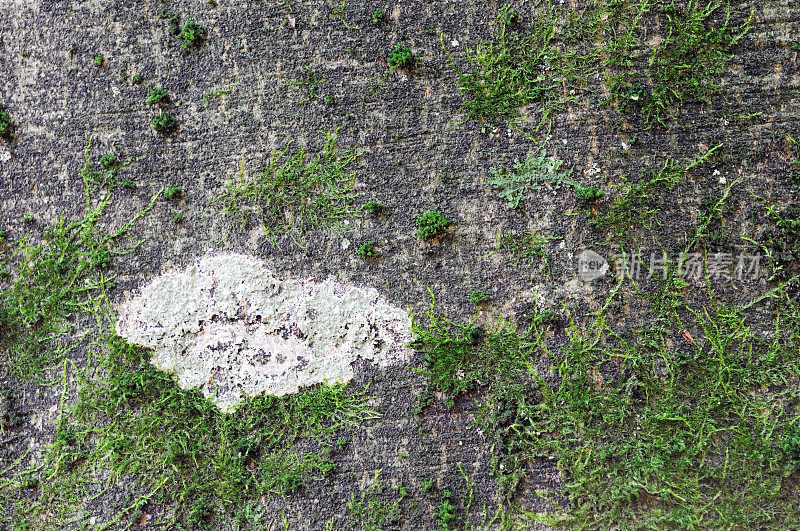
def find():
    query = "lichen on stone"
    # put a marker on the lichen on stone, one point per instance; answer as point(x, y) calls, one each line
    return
point(232, 328)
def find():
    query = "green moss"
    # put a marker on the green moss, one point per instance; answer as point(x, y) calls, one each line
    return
point(590, 194)
point(478, 297)
point(528, 176)
point(697, 44)
point(157, 95)
point(6, 127)
point(99, 60)
point(132, 421)
point(649, 433)
point(192, 35)
point(368, 250)
point(543, 62)
point(295, 193)
point(374, 208)
point(62, 277)
point(137, 79)
point(172, 192)
point(164, 123)
point(431, 224)
point(379, 17)
point(401, 57)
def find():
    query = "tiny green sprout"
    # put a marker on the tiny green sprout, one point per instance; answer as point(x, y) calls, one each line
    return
point(546, 319)
point(374, 208)
point(427, 485)
point(368, 250)
point(29, 218)
point(330, 99)
point(99, 60)
point(3, 235)
point(157, 95)
point(177, 217)
point(212, 3)
point(172, 192)
point(137, 79)
point(401, 57)
point(791, 440)
point(174, 21)
point(478, 297)
point(126, 183)
point(432, 224)
point(796, 46)
point(590, 194)
point(379, 17)
point(164, 122)
point(6, 128)
point(108, 161)
point(192, 34)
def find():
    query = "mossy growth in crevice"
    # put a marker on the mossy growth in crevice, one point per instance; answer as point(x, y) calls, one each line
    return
point(295, 193)
point(131, 421)
point(67, 273)
point(6, 126)
point(648, 426)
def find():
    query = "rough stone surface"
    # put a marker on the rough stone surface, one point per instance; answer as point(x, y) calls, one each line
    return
point(419, 155)
point(232, 328)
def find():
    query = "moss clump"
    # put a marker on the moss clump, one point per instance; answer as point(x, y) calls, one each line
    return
point(157, 95)
point(401, 57)
point(374, 208)
point(164, 123)
point(99, 60)
point(192, 34)
point(431, 224)
point(6, 127)
point(368, 250)
point(478, 297)
point(589, 194)
point(295, 193)
point(134, 422)
point(172, 192)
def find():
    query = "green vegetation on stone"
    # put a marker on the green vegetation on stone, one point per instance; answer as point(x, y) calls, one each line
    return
point(478, 297)
point(157, 95)
point(648, 428)
point(65, 275)
point(368, 250)
point(527, 176)
point(295, 193)
point(192, 35)
point(401, 57)
point(431, 224)
point(131, 421)
point(374, 208)
point(164, 122)
point(6, 127)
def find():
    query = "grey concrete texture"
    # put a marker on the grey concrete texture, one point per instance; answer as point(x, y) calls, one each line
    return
point(418, 155)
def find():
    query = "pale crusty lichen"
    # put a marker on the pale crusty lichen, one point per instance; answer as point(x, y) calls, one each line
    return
point(230, 327)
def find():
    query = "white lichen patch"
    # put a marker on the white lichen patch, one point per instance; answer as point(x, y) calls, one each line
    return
point(230, 327)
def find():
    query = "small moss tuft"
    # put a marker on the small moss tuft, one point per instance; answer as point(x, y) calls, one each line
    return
point(157, 95)
point(192, 34)
point(164, 123)
point(374, 208)
point(478, 297)
point(6, 127)
point(432, 224)
point(401, 57)
point(368, 250)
